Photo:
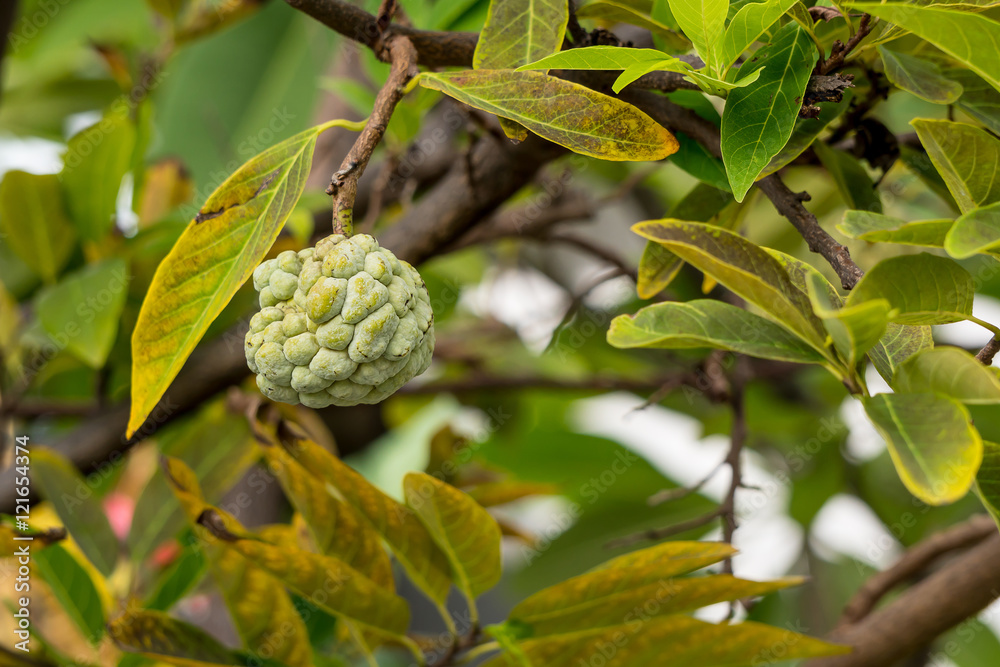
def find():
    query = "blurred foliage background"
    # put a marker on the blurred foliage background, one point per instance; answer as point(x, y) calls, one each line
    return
point(118, 118)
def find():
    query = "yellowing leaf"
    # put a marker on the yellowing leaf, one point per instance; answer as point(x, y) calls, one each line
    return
point(563, 112)
point(949, 371)
point(965, 156)
point(853, 329)
point(157, 636)
point(708, 323)
point(877, 227)
point(520, 31)
point(416, 550)
point(463, 530)
point(628, 12)
point(214, 256)
point(335, 526)
point(84, 309)
point(33, 222)
point(668, 641)
point(743, 267)
point(933, 445)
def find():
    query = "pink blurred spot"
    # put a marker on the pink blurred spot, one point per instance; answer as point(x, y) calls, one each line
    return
point(164, 554)
point(119, 509)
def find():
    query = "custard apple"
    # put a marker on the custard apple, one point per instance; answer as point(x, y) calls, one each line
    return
point(341, 323)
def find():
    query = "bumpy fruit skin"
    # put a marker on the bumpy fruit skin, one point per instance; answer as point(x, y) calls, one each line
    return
point(341, 323)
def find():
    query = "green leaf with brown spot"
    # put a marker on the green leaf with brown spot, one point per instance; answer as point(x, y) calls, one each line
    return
point(950, 371)
point(463, 530)
point(966, 157)
point(33, 222)
point(424, 562)
point(707, 323)
point(743, 267)
point(335, 527)
point(77, 506)
point(563, 112)
point(932, 442)
point(214, 256)
point(920, 289)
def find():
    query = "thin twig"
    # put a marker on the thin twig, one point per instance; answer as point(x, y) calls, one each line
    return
point(917, 559)
point(667, 531)
point(669, 495)
point(733, 459)
point(344, 183)
point(840, 51)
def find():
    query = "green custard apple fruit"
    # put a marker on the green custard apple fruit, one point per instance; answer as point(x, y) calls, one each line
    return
point(341, 323)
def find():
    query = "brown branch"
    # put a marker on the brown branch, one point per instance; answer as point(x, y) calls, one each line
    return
point(966, 585)
point(913, 562)
point(344, 184)
point(985, 355)
point(738, 438)
point(840, 51)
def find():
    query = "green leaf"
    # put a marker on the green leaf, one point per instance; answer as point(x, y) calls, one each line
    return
point(964, 155)
point(335, 527)
point(350, 594)
point(694, 158)
point(519, 32)
point(988, 479)
point(83, 309)
point(464, 531)
point(933, 445)
point(805, 133)
point(917, 161)
point(670, 641)
point(156, 635)
point(178, 579)
point(33, 222)
point(920, 289)
point(919, 77)
point(950, 371)
point(746, 27)
point(702, 21)
point(852, 180)
point(979, 99)
point(74, 501)
point(974, 232)
point(73, 588)
point(707, 323)
point(972, 38)
point(622, 12)
point(876, 227)
point(741, 266)
point(758, 120)
point(96, 160)
point(157, 516)
point(211, 260)
point(853, 329)
point(563, 112)
point(413, 545)
point(636, 63)
point(897, 344)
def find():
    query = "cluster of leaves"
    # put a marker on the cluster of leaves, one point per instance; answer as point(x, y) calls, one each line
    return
point(322, 585)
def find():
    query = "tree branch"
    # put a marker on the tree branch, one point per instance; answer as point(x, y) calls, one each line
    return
point(913, 562)
point(985, 355)
point(344, 183)
point(941, 601)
